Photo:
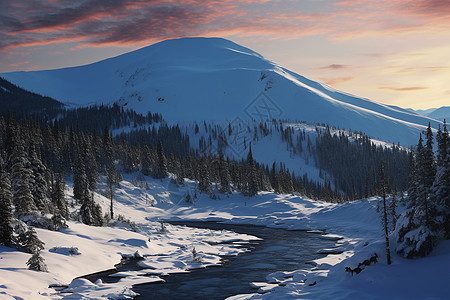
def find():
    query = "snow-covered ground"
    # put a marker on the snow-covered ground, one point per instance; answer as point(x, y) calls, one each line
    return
point(355, 226)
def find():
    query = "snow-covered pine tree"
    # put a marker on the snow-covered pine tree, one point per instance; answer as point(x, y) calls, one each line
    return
point(415, 236)
point(91, 213)
point(427, 171)
point(58, 196)
point(20, 183)
point(37, 263)
point(440, 191)
point(6, 230)
point(32, 242)
point(39, 187)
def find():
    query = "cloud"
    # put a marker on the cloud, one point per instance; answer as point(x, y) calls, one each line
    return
point(402, 70)
point(139, 22)
point(403, 89)
point(333, 67)
point(428, 8)
point(19, 63)
point(336, 80)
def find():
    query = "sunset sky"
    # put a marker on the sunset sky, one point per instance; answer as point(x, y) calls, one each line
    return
point(391, 51)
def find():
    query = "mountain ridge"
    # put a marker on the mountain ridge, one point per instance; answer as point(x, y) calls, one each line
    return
point(217, 79)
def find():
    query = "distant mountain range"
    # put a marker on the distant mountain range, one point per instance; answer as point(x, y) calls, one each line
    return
point(440, 113)
point(215, 79)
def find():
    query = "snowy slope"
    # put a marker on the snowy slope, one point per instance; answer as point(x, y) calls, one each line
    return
point(355, 226)
point(216, 79)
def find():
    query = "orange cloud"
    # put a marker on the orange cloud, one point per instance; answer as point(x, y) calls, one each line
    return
point(336, 80)
point(403, 89)
point(19, 63)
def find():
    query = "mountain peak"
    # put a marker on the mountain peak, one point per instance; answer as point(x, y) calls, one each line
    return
point(216, 79)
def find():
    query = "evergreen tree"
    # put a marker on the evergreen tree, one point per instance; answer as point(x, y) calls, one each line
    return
point(21, 176)
point(39, 188)
point(274, 178)
point(58, 196)
point(204, 184)
point(252, 181)
point(415, 234)
point(32, 242)
point(161, 171)
point(37, 263)
point(384, 189)
point(91, 213)
point(91, 166)
point(440, 191)
point(412, 178)
point(80, 182)
point(225, 178)
point(6, 230)
point(393, 209)
point(110, 174)
point(427, 171)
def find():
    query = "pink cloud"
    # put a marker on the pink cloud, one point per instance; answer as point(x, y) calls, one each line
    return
point(403, 89)
point(336, 80)
point(127, 22)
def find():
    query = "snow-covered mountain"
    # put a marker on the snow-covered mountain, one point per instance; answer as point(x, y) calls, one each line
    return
point(216, 79)
point(441, 113)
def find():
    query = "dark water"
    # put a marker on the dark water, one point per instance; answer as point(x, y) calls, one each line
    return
point(280, 250)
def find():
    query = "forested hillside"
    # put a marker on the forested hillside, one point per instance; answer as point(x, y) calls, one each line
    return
point(22, 102)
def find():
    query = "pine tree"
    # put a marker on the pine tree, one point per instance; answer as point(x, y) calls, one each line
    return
point(440, 191)
point(20, 183)
point(204, 184)
point(37, 263)
point(412, 179)
point(415, 235)
point(32, 243)
point(427, 171)
point(393, 209)
point(58, 196)
point(161, 171)
point(110, 174)
point(91, 166)
point(80, 183)
point(39, 187)
point(6, 230)
point(385, 213)
point(225, 178)
point(91, 213)
point(252, 181)
point(274, 177)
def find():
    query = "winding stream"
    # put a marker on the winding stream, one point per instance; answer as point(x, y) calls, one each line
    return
point(279, 250)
